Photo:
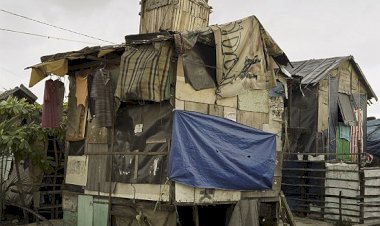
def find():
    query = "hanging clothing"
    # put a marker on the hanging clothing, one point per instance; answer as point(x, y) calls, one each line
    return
point(145, 72)
point(60, 87)
point(246, 213)
point(102, 96)
point(77, 113)
point(81, 88)
point(344, 132)
point(50, 107)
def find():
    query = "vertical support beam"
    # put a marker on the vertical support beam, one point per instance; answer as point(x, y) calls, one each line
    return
point(362, 190)
point(340, 207)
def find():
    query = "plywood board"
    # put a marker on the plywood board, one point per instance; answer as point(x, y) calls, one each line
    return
point(228, 102)
point(197, 107)
point(252, 119)
point(230, 113)
point(187, 194)
point(256, 101)
point(186, 92)
point(179, 105)
point(345, 81)
point(76, 172)
point(275, 128)
point(270, 193)
point(323, 110)
point(151, 192)
point(216, 110)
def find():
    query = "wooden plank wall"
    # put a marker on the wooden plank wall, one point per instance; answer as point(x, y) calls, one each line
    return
point(260, 112)
point(174, 15)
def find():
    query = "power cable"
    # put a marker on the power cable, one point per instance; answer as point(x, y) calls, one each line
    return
point(61, 28)
point(46, 36)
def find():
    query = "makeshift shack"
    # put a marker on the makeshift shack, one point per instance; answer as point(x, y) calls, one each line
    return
point(175, 127)
point(327, 138)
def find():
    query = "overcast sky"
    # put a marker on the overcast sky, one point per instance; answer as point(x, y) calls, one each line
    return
point(304, 29)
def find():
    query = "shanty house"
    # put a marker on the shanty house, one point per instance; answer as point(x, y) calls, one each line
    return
point(175, 126)
point(327, 124)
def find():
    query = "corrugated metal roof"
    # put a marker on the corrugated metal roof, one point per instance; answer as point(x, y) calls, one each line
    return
point(314, 70)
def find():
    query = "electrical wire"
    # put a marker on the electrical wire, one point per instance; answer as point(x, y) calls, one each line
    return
point(46, 36)
point(61, 28)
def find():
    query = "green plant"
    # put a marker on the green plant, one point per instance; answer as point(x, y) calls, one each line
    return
point(22, 137)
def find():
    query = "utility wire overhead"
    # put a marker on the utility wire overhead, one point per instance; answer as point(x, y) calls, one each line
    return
point(61, 28)
point(46, 36)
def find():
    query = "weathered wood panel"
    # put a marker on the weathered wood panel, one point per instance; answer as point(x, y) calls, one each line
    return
point(151, 192)
point(76, 172)
point(187, 194)
point(230, 113)
point(323, 110)
point(216, 110)
point(186, 92)
point(100, 212)
point(197, 107)
point(252, 119)
point(228, 102)
point(255, 100)
point(85, 210)
point(179, 105)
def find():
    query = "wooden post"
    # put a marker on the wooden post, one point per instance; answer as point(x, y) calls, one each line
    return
point(340, 207)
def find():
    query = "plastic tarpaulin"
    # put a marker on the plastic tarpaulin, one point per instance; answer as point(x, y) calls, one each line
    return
point(373, 138)
point(213, 152)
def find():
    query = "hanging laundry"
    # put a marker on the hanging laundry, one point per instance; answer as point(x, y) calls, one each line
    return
point(60, 95)
point(77, 113)
point(50, 107)
point(144, 72)
point(81, 88)
point(102, 96)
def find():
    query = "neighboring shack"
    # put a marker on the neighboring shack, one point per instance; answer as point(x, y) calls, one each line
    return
point(187, 142)
point(327, 126)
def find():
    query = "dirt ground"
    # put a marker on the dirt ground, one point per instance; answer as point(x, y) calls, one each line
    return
point(307, 221)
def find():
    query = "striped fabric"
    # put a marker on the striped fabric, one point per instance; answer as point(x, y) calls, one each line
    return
point(144, 73)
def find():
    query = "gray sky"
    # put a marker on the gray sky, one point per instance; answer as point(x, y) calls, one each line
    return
point(304, 29)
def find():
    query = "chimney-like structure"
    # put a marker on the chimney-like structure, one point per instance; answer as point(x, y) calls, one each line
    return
point(173, 15)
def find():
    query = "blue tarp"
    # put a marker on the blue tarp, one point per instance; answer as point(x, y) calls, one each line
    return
point(373, 137)
point(213, 152)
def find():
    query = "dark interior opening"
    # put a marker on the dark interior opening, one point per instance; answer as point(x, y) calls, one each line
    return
point(217, 215)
